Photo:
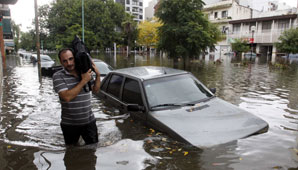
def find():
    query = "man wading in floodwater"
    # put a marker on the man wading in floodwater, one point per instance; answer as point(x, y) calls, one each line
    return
point(77, 117)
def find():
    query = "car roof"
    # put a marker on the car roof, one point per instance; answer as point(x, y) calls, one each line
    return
point(149, 72)
point(97, 60)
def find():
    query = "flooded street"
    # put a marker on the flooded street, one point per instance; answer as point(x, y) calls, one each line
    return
point(31, 138)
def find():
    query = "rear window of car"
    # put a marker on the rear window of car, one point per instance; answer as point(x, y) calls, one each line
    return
point(114, 86)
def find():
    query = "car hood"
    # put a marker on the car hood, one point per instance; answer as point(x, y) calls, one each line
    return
point(210, 123)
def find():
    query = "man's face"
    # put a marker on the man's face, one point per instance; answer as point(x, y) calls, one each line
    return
point(67, 61)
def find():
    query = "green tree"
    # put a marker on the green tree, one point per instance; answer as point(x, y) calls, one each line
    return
point(102, 20)
point(148, 35)
point(16, 31)
point(130, 31)
point(186, 31)
point(239, 46)
point(288, 41)
point(28, 40)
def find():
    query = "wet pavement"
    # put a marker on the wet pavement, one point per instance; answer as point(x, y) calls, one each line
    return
point(31, 138)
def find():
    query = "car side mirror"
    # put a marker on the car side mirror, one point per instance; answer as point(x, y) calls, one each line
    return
point(134, 107)
point(213, 90)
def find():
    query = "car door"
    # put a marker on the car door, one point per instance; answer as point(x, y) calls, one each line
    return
point(112, 89)
point(132, 94)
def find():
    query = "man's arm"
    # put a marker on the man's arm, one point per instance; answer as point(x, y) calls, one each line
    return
point(68, 95)
point(96, 86)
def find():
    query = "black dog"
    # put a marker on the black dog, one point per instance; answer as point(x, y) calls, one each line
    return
point(82, 59)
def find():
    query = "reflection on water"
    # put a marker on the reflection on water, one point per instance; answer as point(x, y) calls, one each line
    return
point(31, 138)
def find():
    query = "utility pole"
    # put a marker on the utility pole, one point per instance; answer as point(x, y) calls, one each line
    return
point(2, 40)
point(37, 39)
point(83, 38)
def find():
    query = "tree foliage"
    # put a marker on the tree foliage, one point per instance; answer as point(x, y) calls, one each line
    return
point(103, 24)
point(148, 35)
point(16, 31)
point(27, 40)
point(240, 46)
point(130, 31)
point(288, 41)
point(186, 31)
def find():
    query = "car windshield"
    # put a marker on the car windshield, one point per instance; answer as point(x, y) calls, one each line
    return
point(175, 91)
point(103, 68)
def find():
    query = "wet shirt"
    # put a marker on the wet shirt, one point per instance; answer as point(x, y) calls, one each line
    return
point(78, 110)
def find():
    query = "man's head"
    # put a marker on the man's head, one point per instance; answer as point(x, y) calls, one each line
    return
point(67, 59)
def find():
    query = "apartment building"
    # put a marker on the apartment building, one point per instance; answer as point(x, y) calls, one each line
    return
point(134, 7)
point(6, 24)
point(263, 30)
point(149, 10)
point(221, 13)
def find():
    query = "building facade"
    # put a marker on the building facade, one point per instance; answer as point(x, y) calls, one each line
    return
point(7, 30)
point(149, 10)
point(262, 29)
point(221, 13)
point(134, 7)
point(267, 28)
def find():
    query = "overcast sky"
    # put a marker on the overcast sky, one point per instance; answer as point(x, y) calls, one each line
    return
point(23, 11)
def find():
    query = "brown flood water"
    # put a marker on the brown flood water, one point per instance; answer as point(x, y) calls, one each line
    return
point(31, 138)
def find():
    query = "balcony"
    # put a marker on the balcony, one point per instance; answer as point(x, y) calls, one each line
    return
point(264, 36)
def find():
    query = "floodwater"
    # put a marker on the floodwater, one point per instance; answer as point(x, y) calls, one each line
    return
point(31, 138)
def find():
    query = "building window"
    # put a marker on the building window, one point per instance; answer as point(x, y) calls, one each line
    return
point(135, 2)
point(225, 29)
point(127, 1)
point(266, 26)
point(135, 9)
point(283, 24)
point(141, 17)
point(141, 4)
point(224, 14)
point(114, 85)
point(215, 15)
point(127, 9)
point(236, 28)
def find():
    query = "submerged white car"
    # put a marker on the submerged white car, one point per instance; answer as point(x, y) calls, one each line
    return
point(175, 102)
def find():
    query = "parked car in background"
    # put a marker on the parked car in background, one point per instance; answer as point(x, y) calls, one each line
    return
point(45, 60)
point(291, 57)
point(249, 55)
point(25, 55)
point(175, 102)
point(47, 64)
point(103, 67)
point(230, 53)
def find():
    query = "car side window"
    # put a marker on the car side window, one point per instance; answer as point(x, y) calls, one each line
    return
point(114, 86)
point(132, 92)
point(105, 83)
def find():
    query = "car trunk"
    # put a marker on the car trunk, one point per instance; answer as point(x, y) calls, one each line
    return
point(207, 124)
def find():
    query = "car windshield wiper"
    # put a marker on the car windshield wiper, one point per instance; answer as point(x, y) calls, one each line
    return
point(199, 101)
point(173, 104)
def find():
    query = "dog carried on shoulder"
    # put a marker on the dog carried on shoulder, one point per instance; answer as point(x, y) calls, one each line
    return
point(82, 59)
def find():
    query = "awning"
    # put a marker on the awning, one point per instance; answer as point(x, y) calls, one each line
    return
point(9, 43)
point(11, 2)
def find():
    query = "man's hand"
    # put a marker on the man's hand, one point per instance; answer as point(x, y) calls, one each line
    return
point(86, 77)
point(70, 94)
point(96, 86)
point(95, 70)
